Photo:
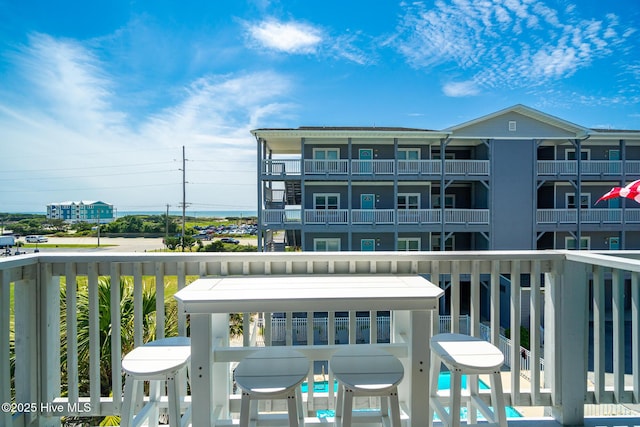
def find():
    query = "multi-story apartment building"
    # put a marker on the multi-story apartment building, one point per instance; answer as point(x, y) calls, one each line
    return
point(82, 211)
point(514, 179)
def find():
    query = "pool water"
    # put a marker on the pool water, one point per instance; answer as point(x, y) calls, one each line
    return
point(444, 381)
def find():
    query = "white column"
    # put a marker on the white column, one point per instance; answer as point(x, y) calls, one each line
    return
point(566, 330)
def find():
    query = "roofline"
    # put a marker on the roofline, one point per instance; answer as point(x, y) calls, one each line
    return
point(307, 133)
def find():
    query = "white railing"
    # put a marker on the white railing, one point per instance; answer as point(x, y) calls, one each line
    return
point(281, 216)
point(372, 216)
point(281, 167)
point(419, 167)
point(419, 216)
point(93, 325)
point(587, 216)
point(372, 167)
point(588, 167)
point(326, 167)
point(326, 216)
point(467, 167)
point(466, 216)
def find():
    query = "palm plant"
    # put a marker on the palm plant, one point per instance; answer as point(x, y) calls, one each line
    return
point(127, 328)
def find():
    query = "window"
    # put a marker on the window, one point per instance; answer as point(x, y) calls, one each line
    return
point(409, 244)
point(449, 201)
point(585, 200)
point(447, 156)
point(512, 125)
point(570, 154)
point(570, 243)
point(326, 245)
point(449, 244)
point(326, 153)
point(408, 201)
point(326, 201)
point(408, 154)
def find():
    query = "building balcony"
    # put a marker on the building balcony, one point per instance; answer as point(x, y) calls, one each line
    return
point(588, 216)
point(63, 332)
point(588, 168)
point(382, 168)
point(283, 217)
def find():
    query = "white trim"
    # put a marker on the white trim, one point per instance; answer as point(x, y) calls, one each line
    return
point(406, 196)
point(407, 241)
point(586, 239)
point(327, 241)
point(326, 196)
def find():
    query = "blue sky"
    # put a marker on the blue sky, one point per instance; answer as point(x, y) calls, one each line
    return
point(98, 98)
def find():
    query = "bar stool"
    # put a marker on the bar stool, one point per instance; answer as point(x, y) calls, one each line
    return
point(163, 360)
point(362, 370)
point(471, 356)
point(272, 373)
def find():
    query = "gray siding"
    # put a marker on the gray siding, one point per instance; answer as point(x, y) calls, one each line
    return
point(512, 185)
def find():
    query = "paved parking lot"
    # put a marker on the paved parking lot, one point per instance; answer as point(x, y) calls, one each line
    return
point(111, 244)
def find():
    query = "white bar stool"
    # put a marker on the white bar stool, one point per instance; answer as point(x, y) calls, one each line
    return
point(163, 360)
point(272, 373)
point(471, 356)
point(362, 370)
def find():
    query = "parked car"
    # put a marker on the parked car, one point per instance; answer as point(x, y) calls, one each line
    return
point(36, 239)
point(229, 240)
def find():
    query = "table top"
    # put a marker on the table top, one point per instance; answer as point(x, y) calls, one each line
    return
point(272, 370)
point(467, 352)
point(233, 294)
point(158, 357)
point(366, 368)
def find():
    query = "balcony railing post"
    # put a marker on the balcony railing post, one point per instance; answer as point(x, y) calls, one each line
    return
point(48, 299)
point(566, 340)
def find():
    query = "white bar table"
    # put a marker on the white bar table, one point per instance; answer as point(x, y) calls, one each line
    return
point(207, 299)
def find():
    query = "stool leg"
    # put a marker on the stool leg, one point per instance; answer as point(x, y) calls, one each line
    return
point(497, 398)
point(339, 405)
point(154, 400)
point(433, 385)
point(126, 417)
point(395, 407)
point(299, 402)
point(347, 408)
point(472, 385)
point(384, 405)
point(173, 395)
point(245, 408)
point(292, 408)
point(454, 397)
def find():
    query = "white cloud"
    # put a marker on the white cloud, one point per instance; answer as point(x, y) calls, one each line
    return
point(70, 141)
point(508, 43)
point(460, 89)
point(289, 37)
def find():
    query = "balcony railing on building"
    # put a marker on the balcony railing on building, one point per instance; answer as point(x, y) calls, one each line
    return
point(374, 216)
point(375, 167)
point(581, 311)
point(588, 167)
point(588, 216)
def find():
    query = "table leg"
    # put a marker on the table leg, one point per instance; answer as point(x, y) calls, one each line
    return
point(420, 357)
point(201, 370)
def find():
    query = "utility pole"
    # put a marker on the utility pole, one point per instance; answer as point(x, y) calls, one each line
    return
point(184, 194)
point(166, 227)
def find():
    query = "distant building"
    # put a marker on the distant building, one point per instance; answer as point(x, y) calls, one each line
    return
point(515, 179)
point(82, 211)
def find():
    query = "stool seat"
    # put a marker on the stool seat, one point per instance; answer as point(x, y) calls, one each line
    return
point(471, 356)
point(163, 360)
point(467, 352)
point(366, 371)
point(157, 358)
point(272, 373)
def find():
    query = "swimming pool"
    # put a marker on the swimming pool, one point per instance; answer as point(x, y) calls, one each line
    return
point(444, 381)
